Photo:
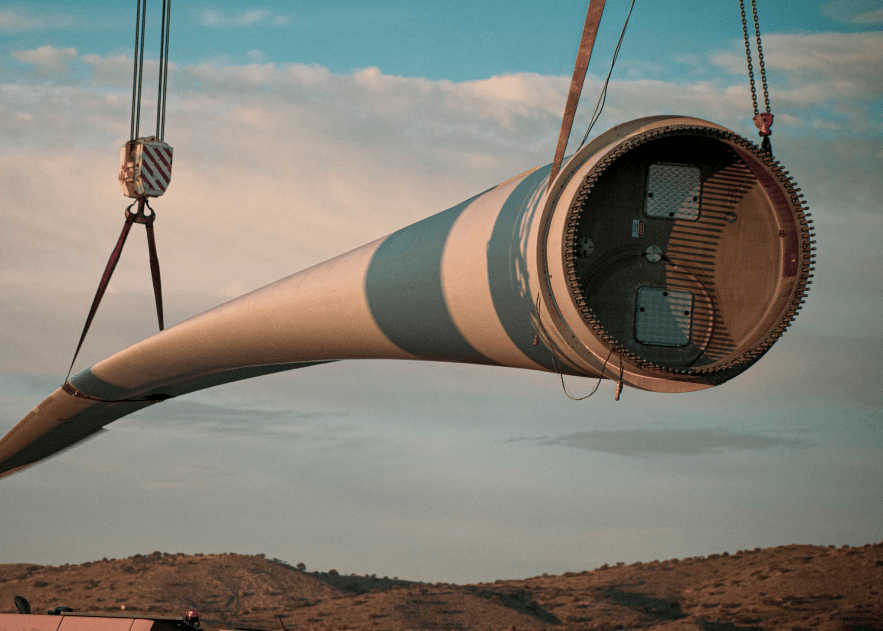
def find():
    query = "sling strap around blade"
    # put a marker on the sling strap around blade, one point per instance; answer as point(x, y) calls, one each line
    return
point(586, 44)
point(136, 217)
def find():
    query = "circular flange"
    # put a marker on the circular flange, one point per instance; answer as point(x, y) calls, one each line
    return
point(744, 281)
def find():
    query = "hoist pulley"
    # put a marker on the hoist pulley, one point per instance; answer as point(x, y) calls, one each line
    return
point(146, 163)
point(145, 167)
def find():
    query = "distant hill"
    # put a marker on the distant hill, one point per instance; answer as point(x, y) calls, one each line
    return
point(797, 588)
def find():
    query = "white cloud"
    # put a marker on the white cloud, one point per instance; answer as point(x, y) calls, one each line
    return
point(117, 70)
point(874, 17)
point(866, 12)
point(834, 72)
point(18, 21)
point(281, 166)
point(12, 22)
point(213, 18)
point(821, 64)
point(832, 65)
point(278, 166)
point(47, 58)
point(667, 442)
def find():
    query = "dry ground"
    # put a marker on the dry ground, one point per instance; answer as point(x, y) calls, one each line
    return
point(795, 588)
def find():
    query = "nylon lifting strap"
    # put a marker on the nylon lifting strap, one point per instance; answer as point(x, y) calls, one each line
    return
point(586, 44)
point(136, 217)
point(154, 268)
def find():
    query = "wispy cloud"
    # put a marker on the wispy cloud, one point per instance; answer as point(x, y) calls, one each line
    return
point(200, 479)
point(356, 156)
point(866, 12)
point(821, 66)
point(213, 18)
point(47, 58)
point(17, 21)
point(673, 442)
point(177, 485)
point(226, 419)
point(825, 80)
point(12, 22)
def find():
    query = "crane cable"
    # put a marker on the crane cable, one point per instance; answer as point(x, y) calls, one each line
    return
point(762, 120)
point(138, 70)
point(602, 99)
point(162, 88)
point(139, 216)
point(583, 56)
point(587, 43)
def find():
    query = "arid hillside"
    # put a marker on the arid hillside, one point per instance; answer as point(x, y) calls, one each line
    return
point(796, 588)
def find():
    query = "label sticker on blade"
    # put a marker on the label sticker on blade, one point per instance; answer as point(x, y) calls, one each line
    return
point(637, 228)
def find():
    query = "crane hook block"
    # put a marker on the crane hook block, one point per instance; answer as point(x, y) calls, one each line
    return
point(145, 167)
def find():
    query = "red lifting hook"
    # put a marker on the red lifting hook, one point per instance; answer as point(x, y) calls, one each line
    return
point(763, 122)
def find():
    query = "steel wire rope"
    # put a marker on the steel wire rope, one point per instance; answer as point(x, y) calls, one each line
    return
point(602, 99)
point(138, 70)
point(163, 70)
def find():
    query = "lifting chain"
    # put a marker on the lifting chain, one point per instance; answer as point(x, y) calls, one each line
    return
point(763, 121)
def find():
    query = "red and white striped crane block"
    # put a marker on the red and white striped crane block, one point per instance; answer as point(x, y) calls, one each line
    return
point(145, 167)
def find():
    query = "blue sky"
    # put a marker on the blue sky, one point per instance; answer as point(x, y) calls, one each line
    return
point(303, 130)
